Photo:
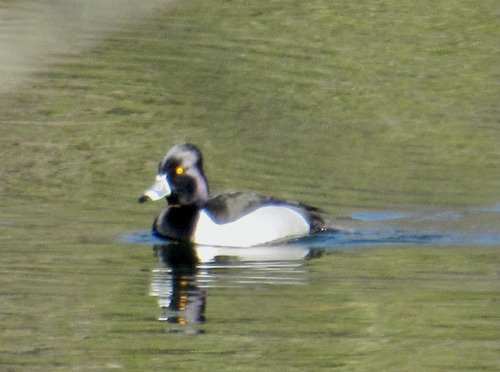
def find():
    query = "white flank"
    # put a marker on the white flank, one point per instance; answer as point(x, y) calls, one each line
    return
point(262, 226)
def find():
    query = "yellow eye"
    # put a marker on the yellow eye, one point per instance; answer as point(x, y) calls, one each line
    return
point(179, 170)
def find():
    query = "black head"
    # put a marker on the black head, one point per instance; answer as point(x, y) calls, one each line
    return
point(180, 177)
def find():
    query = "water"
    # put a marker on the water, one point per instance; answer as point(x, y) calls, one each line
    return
point(188, 272)
point(391, 108)
point(182, 282)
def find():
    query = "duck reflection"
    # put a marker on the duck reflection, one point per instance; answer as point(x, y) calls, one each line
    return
point(180, 298)
point(188, 270)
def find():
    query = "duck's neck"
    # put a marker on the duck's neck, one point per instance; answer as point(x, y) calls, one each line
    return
point(203, 192)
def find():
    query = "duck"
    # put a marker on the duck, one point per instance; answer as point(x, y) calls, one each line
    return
point(235, 219)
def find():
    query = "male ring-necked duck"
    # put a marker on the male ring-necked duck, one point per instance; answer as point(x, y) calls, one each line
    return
point(234, 219)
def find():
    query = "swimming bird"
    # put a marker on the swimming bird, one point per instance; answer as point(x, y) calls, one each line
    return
point(232, 220)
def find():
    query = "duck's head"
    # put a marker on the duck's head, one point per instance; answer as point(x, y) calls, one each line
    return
point(180, 178)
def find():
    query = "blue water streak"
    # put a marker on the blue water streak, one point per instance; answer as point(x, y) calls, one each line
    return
point(371, 237)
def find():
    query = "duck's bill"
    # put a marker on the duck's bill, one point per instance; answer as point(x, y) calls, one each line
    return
point(159, 190)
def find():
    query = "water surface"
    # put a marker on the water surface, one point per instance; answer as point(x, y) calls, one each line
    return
point(187, 273)
point(384, 114)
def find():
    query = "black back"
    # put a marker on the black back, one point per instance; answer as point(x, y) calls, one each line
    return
point(226, 208)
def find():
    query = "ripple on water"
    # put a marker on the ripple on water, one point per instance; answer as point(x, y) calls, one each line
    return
point(188, 271)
